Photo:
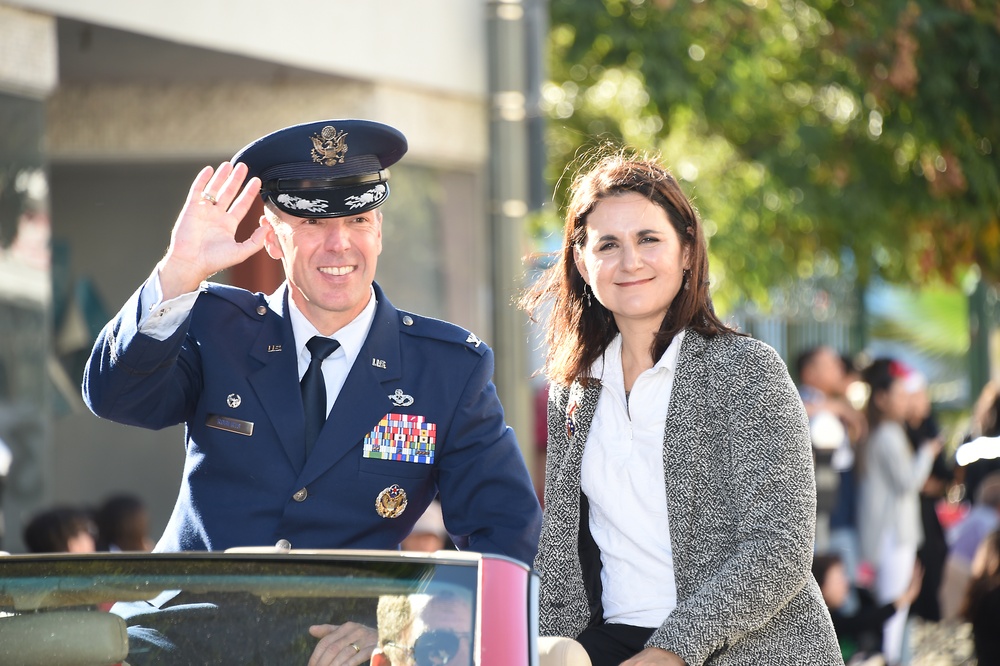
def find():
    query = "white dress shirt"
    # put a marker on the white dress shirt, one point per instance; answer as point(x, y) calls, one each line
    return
point(623, 479)
point(337, 365)
point(160, 319)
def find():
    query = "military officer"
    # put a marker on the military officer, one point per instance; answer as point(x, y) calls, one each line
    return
point(319, 416)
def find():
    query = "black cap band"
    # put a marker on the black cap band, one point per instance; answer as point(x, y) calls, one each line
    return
point(300, 184)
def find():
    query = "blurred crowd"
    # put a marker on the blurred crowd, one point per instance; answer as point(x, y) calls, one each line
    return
point(908, 533)
point(120, 523)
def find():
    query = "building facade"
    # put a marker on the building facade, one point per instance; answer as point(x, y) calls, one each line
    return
point(109, 108)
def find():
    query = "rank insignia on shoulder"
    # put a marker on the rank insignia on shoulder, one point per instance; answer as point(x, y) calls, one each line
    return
point(473, 340)
point(391, 502)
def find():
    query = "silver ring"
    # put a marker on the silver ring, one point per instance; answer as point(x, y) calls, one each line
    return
point(205, 196)
point(356, 648)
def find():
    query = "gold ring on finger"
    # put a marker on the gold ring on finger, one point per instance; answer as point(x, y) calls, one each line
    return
point(356, 648)
point(205, 196)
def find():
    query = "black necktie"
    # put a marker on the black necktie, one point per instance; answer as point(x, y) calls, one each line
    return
point(314, 387)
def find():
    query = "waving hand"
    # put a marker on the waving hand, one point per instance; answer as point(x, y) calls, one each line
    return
point(203, 241)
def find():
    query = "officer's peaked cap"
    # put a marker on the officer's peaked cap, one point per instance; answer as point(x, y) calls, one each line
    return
point(328, 168)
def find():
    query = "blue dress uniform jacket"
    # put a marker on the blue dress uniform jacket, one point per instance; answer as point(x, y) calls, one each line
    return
point(233, 364)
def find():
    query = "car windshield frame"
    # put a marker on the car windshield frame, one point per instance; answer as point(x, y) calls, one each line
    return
point(347, 584)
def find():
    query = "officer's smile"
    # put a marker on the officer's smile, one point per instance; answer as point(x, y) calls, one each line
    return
point(337, 270)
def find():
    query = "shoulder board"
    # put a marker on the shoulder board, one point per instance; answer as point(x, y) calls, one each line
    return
point(251, 303)
point(428, 327)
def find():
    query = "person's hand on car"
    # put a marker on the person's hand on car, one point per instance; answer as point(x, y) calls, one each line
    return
point(348, 644)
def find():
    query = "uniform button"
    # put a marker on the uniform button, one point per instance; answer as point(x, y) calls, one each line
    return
point(283, 544)
point(261, 310)
point(301, 495)
point(407, 320)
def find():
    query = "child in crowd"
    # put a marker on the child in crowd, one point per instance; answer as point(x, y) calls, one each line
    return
point(123, 525)
point(62, 529)
point(859, 632)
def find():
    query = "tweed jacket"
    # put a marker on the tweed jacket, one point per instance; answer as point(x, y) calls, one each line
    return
point(741, 498)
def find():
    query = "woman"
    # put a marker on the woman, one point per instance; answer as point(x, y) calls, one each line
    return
point(889, 524)
point(679, 493)
point(860, 630)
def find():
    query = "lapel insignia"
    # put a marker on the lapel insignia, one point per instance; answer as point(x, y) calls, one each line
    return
point(391, 502)
point(233, 400)
point(571, 419)
point(329, 146)
point(401, 399)
point(273, 348)
point(378, 363)
point(473, 340)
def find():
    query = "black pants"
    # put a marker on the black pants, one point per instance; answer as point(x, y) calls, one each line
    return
point(611, 644)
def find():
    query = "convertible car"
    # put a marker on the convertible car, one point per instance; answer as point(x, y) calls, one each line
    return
point(255, 606)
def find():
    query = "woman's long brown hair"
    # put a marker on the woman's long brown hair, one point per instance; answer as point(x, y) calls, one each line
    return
point(578, 330)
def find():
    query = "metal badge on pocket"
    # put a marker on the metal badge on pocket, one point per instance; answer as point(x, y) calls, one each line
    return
point(391, 502)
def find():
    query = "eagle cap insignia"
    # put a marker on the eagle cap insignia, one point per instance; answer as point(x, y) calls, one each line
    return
point(329, 146)
point(391, 502)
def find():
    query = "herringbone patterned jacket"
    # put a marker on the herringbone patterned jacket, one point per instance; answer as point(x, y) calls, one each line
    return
point(742, 504)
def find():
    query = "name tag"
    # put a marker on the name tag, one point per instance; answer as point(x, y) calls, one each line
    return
point(229, 424)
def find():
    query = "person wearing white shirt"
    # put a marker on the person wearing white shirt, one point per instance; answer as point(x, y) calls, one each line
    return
point(679, 492)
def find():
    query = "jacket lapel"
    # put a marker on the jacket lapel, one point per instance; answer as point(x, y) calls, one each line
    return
point(683, 432)
point(579, 415)
point(276, 380)
point(364, 399)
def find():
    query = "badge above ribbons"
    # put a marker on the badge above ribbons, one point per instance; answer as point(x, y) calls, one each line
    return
point(402, 437)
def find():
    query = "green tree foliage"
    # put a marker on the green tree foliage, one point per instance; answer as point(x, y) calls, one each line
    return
point(814, 135)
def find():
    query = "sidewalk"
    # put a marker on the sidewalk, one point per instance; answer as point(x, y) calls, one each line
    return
point(942, 644)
